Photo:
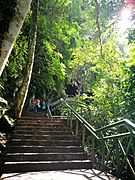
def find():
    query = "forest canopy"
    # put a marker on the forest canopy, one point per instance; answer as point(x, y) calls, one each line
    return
point(84, 44)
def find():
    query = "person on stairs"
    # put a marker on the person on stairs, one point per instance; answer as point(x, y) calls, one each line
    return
point(43, 105)
point(36, 105)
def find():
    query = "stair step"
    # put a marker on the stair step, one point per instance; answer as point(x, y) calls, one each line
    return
point(45, 156)
point(16, 167)
point(43, 119)
point(44, 142)
point(42, 128)
point(38, 121)
point(42, 132)
point(44, 137)
point(48, 124)
point(45, 149)
point(39, 144)
point(28, 113)
point(28, 118)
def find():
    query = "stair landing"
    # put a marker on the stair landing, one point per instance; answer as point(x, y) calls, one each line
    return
point(82, 174)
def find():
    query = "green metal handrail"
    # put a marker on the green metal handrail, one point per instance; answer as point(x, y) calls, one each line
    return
point(102, 141)
point(118, 123)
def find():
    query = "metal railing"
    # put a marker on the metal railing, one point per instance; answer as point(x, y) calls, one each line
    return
point(53, 108)
point(111, 147)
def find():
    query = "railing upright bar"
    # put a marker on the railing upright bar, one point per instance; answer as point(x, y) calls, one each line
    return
point(68, 120)
point(93, 149)
point(117, 160)
point(71, 121)
point(77, 128)
point(109, 152)
point(133, 148)
point(103, 153)
point(83, 135)
point(133, 172)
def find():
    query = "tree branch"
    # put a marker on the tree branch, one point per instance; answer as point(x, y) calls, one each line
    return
point(98, 26)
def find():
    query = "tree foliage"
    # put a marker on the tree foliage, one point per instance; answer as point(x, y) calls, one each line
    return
point(101, 64)
point(77, 41)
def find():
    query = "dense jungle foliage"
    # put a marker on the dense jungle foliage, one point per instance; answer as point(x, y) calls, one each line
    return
point(85, 44)
point(84, 49)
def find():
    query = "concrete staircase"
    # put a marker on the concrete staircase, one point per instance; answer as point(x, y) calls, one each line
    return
point(40, 144)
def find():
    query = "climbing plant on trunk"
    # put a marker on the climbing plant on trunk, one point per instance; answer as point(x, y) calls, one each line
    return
point(22, 94)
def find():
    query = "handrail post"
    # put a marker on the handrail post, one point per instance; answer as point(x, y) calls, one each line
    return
point(93, 150)
point(117, 160)
point(77, 127)
point(60, 109)
point(68, 119)
point(83, 136)
point(71, 121)
point(103, 154)
point(133, 148)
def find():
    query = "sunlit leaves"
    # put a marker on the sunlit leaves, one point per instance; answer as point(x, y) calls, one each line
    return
point(111, 79)
point(18, 57)
point(58, 34)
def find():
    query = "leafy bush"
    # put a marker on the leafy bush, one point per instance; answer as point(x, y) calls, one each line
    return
point(6, 122)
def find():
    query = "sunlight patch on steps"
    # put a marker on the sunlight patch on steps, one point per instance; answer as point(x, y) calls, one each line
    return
point(60, 175)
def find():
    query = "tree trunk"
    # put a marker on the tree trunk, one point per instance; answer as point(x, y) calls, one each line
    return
point(13, 31)
point(98, 27)
point(22, 94)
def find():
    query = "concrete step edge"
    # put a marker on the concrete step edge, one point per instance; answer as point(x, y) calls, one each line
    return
point(44, 140)
point(61, 153)
point(47, 162)
point(45, 135)
point(26, 146)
